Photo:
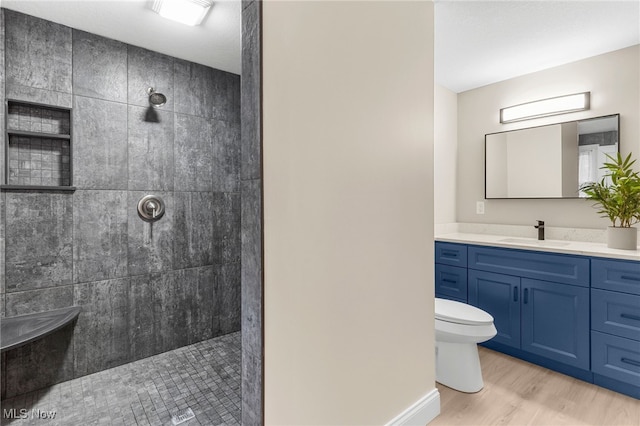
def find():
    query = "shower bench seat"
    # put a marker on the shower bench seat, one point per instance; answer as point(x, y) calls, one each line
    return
point(20, 330)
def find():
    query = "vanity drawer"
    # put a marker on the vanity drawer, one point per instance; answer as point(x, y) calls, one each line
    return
point(615, 313)
point(451, 282)
point(451, 254)
point(615, 357)
point(558, 268)
point(617, 275)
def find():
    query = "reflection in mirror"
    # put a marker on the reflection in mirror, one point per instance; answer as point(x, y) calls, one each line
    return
point(598, 138)
point(548, 161)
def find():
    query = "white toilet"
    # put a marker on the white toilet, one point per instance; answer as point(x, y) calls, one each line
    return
point(459, 329)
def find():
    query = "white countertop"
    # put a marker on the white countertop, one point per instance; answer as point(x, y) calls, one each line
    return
point(555, 246)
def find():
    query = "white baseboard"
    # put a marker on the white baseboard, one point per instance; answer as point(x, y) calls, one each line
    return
point(421, 412)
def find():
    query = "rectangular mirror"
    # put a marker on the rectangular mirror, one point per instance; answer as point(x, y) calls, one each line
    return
point(549, 161)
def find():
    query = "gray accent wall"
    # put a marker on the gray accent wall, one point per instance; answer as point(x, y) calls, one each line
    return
point(143, 288)
point(251, 223)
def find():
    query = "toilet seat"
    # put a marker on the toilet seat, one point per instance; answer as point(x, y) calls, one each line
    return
point(460, 313)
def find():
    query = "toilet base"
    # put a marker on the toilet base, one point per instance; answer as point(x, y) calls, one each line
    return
point(458, 366)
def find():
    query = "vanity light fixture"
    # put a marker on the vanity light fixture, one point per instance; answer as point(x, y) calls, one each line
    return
point(188, 12)
point(546, 107)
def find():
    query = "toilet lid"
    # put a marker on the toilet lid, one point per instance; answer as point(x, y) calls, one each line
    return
point(461, 313)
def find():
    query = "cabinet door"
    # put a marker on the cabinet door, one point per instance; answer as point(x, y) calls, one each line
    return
point(498, 295)
point(555, 321)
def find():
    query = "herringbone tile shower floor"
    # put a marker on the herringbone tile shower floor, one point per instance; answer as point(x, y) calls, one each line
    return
point(204, 376)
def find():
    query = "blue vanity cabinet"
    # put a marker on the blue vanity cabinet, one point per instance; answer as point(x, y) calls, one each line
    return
point(574, 314)
point(539, 301)
point(451, 271)
point(615, 325)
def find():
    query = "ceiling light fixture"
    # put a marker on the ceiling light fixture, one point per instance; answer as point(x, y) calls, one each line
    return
point(546, 107)
point(188, 12)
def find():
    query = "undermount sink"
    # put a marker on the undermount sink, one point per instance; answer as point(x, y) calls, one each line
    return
point(531, 241)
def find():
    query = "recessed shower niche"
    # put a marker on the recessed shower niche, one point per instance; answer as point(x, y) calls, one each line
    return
point(38, 147)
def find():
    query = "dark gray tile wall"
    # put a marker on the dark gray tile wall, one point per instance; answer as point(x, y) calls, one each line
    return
point(227, 295)
point(100, 235)
point(193, 226)
point(2, 127)
point(148, 69)
point(42, 96)
point(225, 102)
point(39, 240)
point(143, 288)
point(99, 67)
point(2, 248)
point(251, 156)
point(101, 338)
point(226, 227)
point(150, 246)
point(193, 90)
point(41, 47)
point(150, 150)
point(2, 195)
point(28, 302)
point(251, 217)
point(192, 154)
point(144, 303)
point(99, 143)
point(226, 157)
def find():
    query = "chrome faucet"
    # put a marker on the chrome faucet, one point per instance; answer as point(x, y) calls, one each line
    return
point(540, 228)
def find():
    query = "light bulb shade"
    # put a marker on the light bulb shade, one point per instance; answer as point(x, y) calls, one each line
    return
point(188, 12)
point(546, 107)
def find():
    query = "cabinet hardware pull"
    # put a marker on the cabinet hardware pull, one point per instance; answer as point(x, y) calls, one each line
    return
point(447, 280)
point(515, 294)
point(630, 361)
point(446, 253)
point(630, 278)
point(630, 316)
point(526, 296)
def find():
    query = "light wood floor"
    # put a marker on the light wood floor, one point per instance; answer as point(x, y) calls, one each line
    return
point(519, 393)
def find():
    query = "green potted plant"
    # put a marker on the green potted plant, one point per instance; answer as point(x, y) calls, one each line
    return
point(617, 196)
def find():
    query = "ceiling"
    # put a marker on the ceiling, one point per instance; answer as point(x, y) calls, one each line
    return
point(216, 43)
point(483, 42)
point(476, 42)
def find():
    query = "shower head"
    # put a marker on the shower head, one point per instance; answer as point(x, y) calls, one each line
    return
point(156, 99)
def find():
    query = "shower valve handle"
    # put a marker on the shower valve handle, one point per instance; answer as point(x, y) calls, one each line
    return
point(150, 208)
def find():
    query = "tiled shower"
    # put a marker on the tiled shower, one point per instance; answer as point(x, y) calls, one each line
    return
point(144, 288)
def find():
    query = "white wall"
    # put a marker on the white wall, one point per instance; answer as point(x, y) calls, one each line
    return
point(348, 210)
point(614, 82)
point(445, 149)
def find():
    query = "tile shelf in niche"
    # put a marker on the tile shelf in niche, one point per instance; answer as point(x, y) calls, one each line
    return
point(36, 188)
point(38, 135)
point(38, 147)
